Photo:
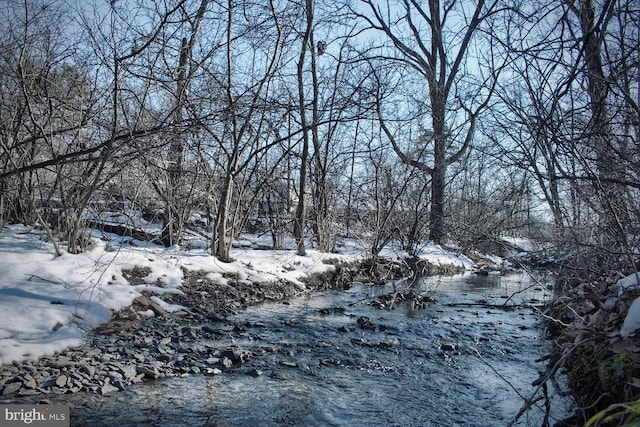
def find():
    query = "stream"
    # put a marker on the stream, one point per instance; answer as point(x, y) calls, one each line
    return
point(331, 359)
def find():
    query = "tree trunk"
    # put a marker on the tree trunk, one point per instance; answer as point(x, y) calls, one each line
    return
point(437, 224)
point(612, 198)
point(173, 215)
point(221, 242)
point(301, 210)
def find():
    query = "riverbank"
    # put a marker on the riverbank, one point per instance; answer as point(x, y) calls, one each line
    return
point(133, 347)
point(333, 357)
point(49, 302)
point(161, 306)
point(596, 352)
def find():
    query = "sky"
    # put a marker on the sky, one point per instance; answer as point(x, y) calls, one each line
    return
point(49, 303)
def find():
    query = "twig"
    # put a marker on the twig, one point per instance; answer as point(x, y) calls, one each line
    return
point(31, 276)
point(520, 291)
point(541, 382)
point(477, 352)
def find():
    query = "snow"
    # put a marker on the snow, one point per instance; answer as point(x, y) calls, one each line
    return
point(170, 308)
point(632, 320)
point(49, 303)
point(630, 281)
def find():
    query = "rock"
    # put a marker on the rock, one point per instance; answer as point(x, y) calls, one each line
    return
point(105, 357)
point(87, 369)
point(164, 358)
point(449, 347)
point(254, 372)
point(146, 303)
point(11, 388)
point(75, 376)
point(189, 333)
point(62, 362)
point(226, 362)
point(28, 367)
point(28, 381)
point(231, 357)
point(61, 381)
point(216, 317)
point(164, 349)
point(107, 388)
point(25, 392)
point(114, 376)
point(148, 373)
point(139, 357)
point(364, 322)
point(211, 330)
point(331, 310)
point(359, 341)
point(143, 301)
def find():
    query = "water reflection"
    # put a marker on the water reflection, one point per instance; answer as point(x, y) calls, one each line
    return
point(526, 285)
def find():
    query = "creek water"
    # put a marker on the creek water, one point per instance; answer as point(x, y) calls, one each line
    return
point(462, 361)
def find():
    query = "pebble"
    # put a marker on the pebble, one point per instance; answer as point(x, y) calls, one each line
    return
point(254, 372)
point(11, 388)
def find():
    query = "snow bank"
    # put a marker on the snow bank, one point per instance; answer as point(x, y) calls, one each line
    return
point(48, 303)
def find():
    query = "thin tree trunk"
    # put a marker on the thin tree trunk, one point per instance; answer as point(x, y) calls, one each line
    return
point(437, 231)
point(222, 242)
point(172, 222)
point(301, 210)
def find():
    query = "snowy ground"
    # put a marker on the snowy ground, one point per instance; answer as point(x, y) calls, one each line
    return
point(48, 303)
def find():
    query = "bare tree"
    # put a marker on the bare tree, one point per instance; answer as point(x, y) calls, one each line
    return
point(242, 134)
point(431, 43)
point(175, 201)
point(52, 110)
point(593, 26)
point(307, 45)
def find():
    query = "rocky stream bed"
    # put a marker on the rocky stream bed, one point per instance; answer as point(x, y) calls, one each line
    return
point(335, 358)
point(132, 348)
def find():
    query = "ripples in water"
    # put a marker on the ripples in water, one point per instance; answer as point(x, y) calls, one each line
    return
point(446, 365)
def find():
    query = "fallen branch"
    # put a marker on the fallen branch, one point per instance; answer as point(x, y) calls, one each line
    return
point(541, 382)
point(488, 305)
